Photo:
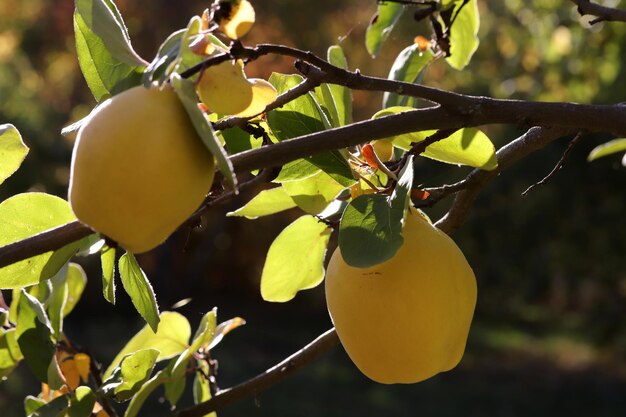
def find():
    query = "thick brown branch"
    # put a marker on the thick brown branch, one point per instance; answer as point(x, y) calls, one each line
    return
point(602, 13)
point(536, 138)
point(43, 242)
point(261, 382)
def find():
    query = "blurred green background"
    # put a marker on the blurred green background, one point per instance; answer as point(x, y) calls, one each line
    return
point(549, 336)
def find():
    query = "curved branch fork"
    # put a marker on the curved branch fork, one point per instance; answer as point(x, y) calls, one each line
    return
point(275, 374)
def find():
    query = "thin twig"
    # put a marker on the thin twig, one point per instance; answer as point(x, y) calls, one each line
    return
point(260, 383)
point(534, 139)
point(559, 165)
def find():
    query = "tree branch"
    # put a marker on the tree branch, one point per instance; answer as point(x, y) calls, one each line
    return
point(534, 139)
point(43, 242)
point(602, 13)
point(260, 383)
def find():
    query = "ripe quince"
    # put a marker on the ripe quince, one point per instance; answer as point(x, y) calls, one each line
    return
point(225, 89)
point(139, 169)
point(406, 319)
point(236, 18)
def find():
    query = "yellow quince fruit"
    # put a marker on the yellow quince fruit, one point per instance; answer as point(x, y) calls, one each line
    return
point(235, 17)
point(139, 169)
point(406, 319)
point(225, 89)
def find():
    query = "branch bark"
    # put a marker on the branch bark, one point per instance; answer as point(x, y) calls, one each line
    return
point(260, 383)
point(602, 13)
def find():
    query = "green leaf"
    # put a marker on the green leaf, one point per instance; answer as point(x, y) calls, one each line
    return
point(55, 379)
point(205, 331)
point(186, 57)
point(295, 260)
point(133, 372)
point(302, 117)
point(175, 384)
point(608, 148)
point(381, 25)
point(265, 203)
point(238, 140)
point(81, 404)
point(12, 151)
point(107, 259)
point(464, 35)
point(105, 74)
point(296, 170)
point(34, 335)
point(56, 301)
point(138, 287)
point(32, 404)
point(370, 231)
point(76, 282)
point(187, 93)
point(10, 354)
point(171, 339)
point(408, 67)
point(296, 118)
point(25, 215)
point(144, 392)
point(168, 52)
point(105, 21)
point(54, 408)
point(467, 146)
point(313, 194)
point(341, 95)
point(223, 329)
point(201, 387)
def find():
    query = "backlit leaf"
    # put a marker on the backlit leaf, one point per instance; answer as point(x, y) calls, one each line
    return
point(12, 151)
point(463, 35)
point(381, 25)
point(265, 203)
point(295, 260)
point(10, 354)
point(25, 215)
point(105, 56)
point(467, 146)
point(82, 402)
point(107, 259)
point(134, 370)
point(608, 148)
point(138, 287)
point(341, 95)
point(170, 339)
point(313, 194)
point(34, 335)
point(408, 67)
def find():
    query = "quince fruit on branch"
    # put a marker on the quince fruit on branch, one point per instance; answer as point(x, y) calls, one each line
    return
point(407, 319)
point(225, 89)
point(235, 17)
point(139, 169)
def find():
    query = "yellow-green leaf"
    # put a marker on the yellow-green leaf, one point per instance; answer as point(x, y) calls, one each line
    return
point(608, 148)
point(25, 215)
point(170, 339)
point(295, 260)
point(463, 35)
point(265, 203)
point(12, 151)
point(467, 146)
point(138, 287)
